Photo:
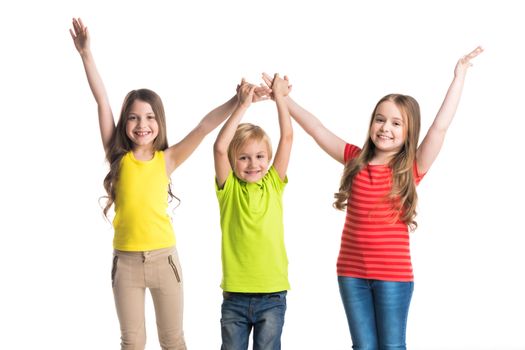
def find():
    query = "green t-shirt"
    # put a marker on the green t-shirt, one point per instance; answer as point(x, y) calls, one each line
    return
point(253, 254)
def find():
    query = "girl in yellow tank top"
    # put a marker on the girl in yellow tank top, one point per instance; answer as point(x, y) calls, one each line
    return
point(138, 183)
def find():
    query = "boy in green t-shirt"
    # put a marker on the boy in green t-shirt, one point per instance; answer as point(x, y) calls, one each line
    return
point(254, 262)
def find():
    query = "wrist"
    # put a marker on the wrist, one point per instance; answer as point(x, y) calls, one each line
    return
point(85, 54)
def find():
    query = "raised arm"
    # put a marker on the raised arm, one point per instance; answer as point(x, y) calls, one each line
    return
point(178, 153)
point(282, 155)
point(245, 95)
point(429, 148)
point(81, 39)
point(328, 141)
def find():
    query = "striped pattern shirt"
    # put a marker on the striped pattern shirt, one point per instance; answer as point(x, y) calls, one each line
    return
point(373, 245)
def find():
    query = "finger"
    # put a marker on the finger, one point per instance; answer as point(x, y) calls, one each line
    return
point(276, 76)
point(243, 81)
point(76, 27)
point(72, 34)
point(267, 78)
point(81, 23)
point(267, 81)
point(476, 51)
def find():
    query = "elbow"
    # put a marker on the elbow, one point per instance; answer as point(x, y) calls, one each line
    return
point(219, 149)
point(287, 136)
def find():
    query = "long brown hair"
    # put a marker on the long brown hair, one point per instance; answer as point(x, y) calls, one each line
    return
point(120, 144)
point(403, 194)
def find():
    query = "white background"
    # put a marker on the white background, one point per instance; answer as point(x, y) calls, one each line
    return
point(341, 57)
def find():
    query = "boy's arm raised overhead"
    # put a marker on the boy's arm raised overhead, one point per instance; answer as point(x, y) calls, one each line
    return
point(220, 147)
point(282, 155)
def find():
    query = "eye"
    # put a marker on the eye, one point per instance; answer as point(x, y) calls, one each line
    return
point(150, 117)
point(260, 156)
point(242, 158)
point(132, 117)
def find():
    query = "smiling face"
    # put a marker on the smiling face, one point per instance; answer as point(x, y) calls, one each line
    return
point(388, 129)
point(251, 161)
point(141, 124)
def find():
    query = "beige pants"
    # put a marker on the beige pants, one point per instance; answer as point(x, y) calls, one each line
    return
point(159, 270)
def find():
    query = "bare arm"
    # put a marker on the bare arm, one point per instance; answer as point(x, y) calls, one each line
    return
point(178, 153)
point(282, 156)
point(225, 136)
point(81, 39)
point(429, 149)
point(327, 140)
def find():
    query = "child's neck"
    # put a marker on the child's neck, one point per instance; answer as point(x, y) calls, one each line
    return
point(143, 153)
point(381, 158)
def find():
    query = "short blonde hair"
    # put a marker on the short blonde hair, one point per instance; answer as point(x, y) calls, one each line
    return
point(247, 132)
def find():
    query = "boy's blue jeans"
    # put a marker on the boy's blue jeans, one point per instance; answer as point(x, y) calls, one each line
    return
point(264, 312)
point(377, 312)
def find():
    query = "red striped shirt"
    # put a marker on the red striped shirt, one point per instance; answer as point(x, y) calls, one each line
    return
point(373, 244)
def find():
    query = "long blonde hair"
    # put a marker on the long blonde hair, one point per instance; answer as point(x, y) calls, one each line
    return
point(120, 144)
point(403, 195)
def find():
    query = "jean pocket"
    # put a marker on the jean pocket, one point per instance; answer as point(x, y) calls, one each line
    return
point(174, 268)
point(114, 270)
point(277, 296)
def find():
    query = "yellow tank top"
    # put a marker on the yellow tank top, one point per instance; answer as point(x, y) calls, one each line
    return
point(141, 220)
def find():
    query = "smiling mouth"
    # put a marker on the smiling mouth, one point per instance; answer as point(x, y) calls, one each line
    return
point(142, 133)
point(384, 137)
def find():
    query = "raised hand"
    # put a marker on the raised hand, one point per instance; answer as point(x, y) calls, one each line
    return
point(280, 86)
point(245, 93)
point(268, 80)
point(464, 62)
point(80, 36)
point(261, 93)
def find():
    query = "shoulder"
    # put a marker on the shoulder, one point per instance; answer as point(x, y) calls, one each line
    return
point(272, 177)
point(418, 176)
point(229, 185)
point(351, 151)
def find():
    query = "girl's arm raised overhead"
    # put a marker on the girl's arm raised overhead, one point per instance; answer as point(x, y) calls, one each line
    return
point(178, 153)
point(282, 156)
point(81, 39)
point(327, 140)
point(431, 145)
point(245, 95)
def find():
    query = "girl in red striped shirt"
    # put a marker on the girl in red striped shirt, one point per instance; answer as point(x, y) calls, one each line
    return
point(378, 191)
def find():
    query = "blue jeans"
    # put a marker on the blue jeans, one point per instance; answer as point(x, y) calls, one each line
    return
point(264, 312)
point(377, 312)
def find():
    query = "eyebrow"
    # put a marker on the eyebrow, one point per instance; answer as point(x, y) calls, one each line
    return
point(394, 118)
point(137, 114)
point(247, 154)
